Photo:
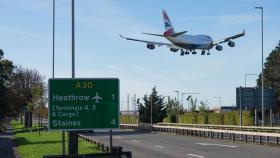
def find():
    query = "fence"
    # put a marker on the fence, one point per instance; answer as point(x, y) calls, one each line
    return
point(247, 136)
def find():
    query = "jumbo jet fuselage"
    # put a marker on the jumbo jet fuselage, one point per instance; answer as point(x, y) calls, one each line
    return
point(192, 42)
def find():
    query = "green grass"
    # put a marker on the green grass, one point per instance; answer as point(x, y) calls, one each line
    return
point(31, 145)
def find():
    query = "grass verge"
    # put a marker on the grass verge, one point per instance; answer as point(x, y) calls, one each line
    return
point(32, 145)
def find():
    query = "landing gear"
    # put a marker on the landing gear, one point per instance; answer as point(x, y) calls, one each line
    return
point(208, 53)
point(182, 52)
point(203, 52)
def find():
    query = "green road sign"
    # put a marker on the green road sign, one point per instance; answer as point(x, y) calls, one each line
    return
point(76, 104)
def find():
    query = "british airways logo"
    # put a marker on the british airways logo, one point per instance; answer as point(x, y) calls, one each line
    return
point(167, 25)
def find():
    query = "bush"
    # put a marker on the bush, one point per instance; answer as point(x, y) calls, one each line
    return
point(231, 118)
point(223, 118)
point(185, 118)
point(129, 119)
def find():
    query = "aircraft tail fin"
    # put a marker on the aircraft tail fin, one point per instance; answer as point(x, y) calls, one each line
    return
point(169, 30)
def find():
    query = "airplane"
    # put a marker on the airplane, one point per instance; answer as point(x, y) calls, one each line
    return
point(184, 42)
point(96, 98)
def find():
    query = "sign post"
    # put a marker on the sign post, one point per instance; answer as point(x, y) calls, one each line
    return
point(83, 104)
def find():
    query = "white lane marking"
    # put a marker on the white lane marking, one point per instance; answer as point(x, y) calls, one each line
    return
point(206, 144)
point(157, 146)
point(118, 137)
point(136, 141)
point(196, 155)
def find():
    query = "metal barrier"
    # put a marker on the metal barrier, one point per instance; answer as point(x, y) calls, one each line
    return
point(247, 136)
point(226, 127)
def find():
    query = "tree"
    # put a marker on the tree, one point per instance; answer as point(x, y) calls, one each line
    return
point(272, 73)
point(38, 101)
point(193, 105)
point(203, 110)
point(24, 80)
point(158, 108)
point(173, 109)
point(6, 71)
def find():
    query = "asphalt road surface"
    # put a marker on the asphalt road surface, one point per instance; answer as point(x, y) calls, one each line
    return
point(160, 145)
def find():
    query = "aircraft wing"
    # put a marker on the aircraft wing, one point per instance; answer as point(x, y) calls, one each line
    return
point(169, 45)
point(229, 38)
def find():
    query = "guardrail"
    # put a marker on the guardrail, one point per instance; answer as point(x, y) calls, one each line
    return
point(247, 136)
point(226, 127)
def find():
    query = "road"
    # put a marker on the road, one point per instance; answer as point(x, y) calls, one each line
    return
point(153, 145)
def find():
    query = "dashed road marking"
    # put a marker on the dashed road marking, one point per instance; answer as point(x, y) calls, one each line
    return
point(193, 155)
point(209, 144)
point(157, 146)
point(118, 137)
point(136, 141)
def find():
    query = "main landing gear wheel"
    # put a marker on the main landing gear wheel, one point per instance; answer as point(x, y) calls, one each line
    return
point(203, 52)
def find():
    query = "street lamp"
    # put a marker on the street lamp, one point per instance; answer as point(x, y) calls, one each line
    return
point(261, 8)
point(187, 98)
point(248, 75)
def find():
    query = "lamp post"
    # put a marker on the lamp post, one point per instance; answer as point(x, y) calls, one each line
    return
point(73, 135)
point(187, 98)
point(151, 109)
point(261, 8)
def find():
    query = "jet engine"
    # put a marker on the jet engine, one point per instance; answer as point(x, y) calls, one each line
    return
point(174, 49)
point(150, 46)
point(231, 43)
point(219, 48)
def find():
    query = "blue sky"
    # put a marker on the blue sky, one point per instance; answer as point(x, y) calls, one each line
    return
point(26, 38)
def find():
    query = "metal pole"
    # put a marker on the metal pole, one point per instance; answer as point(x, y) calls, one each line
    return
point(151, 108)
point(256, 123)
point(73, 135)
point(263, 119)
point(73, 39)
point(111, 140)
point(53, 61)
point(53, 38)
point(270, 114)
point(263, 122)
point(240, 109)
